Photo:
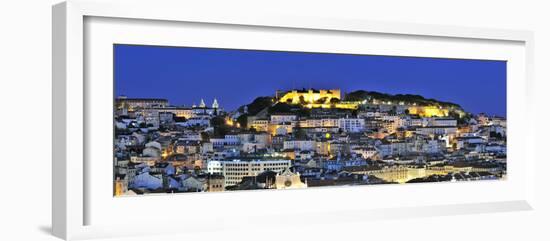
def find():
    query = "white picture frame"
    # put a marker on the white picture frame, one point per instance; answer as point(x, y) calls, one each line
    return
point(73, 192)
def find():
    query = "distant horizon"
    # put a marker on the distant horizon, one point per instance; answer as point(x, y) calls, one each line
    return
point(209, 102)
point(184, 75)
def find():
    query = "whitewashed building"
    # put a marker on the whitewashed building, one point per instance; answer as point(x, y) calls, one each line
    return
point(234, 170)
point(282, 118)
point(302, 145)
point(351, 124)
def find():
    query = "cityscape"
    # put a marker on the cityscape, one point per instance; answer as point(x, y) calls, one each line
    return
point(296, 138)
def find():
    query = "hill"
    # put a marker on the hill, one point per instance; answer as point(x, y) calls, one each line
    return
point(370, 96)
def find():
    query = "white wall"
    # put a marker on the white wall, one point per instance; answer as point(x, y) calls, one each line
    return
point(25, 77)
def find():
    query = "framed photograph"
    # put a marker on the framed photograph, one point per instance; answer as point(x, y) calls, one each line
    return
point(208, 122)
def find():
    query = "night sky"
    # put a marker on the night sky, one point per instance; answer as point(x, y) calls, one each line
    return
point(235, 77)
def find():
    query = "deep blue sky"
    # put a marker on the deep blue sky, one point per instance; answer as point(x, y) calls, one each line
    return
point(235, 77)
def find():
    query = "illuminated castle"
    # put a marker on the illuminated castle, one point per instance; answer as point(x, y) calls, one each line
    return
point(311, 98)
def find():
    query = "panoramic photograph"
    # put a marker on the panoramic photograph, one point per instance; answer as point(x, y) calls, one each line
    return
point(189, 119)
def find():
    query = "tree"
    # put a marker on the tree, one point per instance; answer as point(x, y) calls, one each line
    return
point(356, 95)
point(219, 125)
point(304, 112)
point(243, 120)
point(393, 110)
point(280, 108)
point(259, 104)
point(334, 100)
point(460, 120)
point(205, 136)
point(321, 100)
point(217, 121)
point(299, 133)
point(496, 135)
point(180, 119)
point(302, 100)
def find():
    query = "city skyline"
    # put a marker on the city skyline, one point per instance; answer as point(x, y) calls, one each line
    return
point(314, 128)
point(175, 73)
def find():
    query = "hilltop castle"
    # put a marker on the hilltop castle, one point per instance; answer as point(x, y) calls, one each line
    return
point(311, 98)
point(309, 95)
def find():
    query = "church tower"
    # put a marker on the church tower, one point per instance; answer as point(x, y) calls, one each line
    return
point(215, 105)
point(202, 104)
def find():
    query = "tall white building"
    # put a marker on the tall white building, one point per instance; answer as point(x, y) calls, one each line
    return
point(282, 118)
point(234, 170)
point(302, 145)
point(214, 167)
point(439, 121)
point(351, 124)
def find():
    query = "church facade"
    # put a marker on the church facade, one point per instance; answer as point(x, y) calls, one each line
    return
point(289, 180)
